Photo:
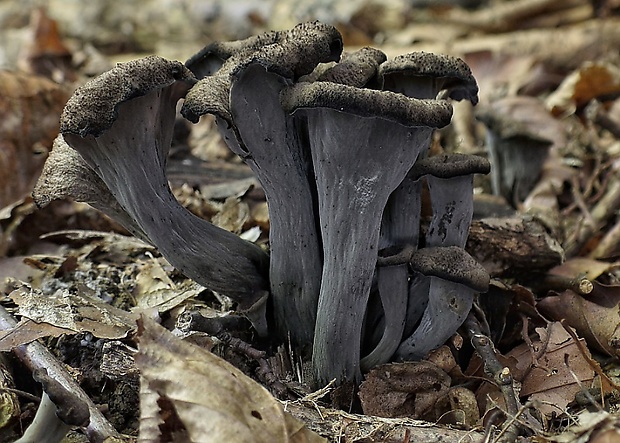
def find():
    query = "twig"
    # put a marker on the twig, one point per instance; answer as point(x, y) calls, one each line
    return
point(500, 374)
point(37, 357)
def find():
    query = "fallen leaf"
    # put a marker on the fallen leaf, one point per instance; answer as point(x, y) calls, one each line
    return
point(77, 312)
point(591, 81)
point(27, 331)
point(549, 380)
point(595, 317)
point(155, 289)
point(30, 109)
point(189, 394)
point(408, 389)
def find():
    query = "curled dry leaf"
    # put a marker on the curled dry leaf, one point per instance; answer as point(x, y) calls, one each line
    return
point(155, 289)
point(595, 317)
point(590, 81)
point(77, 312)
point(409, 389)
point(548, 379)
point(189, 393)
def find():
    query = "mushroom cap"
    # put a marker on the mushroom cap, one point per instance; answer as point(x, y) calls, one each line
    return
point(66, 174)
point(451, 263)
point(356, 68)
point(94, 107)
point(295, 53)
point(367, 103)
point(450, 165)
point(210, 58)
point(457, 77)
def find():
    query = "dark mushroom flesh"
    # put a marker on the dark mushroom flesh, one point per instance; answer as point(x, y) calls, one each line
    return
point(362, 146)
point(453, 277)
point(121, 123)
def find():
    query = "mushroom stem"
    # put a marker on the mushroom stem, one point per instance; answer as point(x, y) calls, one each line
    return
point(393, 293)
point(448, 306)
point(361, 150)
point(453, 277)
point(275, 154)
point(127, 148)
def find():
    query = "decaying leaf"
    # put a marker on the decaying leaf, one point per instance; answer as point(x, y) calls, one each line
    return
point(595, 317)
point(408, 389)
point(77, 312)
point(549, 380)
point(155, 289)
point(189, 394)
point(28, 331)
point(590, 81)
point(30, 109)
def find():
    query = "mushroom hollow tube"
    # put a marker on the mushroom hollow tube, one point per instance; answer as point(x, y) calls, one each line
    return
point(448, 306)
point(358, 162)
point(273, 150)
point(130, 157)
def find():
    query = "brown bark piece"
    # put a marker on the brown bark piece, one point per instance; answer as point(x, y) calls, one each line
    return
point(514, 246)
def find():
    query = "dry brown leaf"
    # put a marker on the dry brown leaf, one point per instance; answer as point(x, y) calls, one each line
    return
point(190, 394)
point(551, 382)
point(583, 266)
point(595, 317)
point(27, 331)
point(77, 312)
point(408, 389)
point(592, 80)
point(30, 109)
point(233, 215)
point(155, 289)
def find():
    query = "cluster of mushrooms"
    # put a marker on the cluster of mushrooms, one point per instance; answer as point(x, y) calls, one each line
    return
point(339, 143)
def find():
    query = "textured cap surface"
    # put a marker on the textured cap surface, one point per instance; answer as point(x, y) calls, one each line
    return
point(367, 103)
point(93, 107)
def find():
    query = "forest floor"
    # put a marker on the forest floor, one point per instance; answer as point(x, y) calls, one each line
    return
point(81, 299)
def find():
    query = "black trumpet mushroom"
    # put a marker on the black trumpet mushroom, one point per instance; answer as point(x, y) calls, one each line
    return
point(453, 278)
point(361, 143)
point(256, 128)
point(121, 123)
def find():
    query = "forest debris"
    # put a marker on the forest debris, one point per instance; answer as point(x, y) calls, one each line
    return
point(590, 427)
point(408, 389)
point(596, 317)
point(341, 426)
point(27, 331)
point(560, 370)
point(513, 246)
point(506, 16)
point(36, 356)
point(189, 392)
point(30, 108)
point(77, 312)
point(593, 80)
point(155, 289)
point(45, 54)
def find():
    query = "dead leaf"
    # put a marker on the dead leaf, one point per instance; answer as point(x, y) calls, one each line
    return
point(155, 289)
point(27, 331)
point(77, 312)
point(408, 389)
point(233, 215)
point(30, 109)
point(189, 393)
point(595, 317)
point(549, 380)
point(591, 81)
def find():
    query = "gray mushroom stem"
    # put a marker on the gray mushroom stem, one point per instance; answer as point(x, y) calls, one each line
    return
point(283, 169)
point(453, 277)
point(450, 180)
point(360, 142)
point(121, 123)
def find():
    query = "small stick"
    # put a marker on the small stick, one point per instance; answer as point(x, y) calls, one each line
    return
point(37, 357)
